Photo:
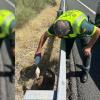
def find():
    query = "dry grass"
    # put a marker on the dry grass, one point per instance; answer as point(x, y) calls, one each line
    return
point(27, 9)
point(27, 39)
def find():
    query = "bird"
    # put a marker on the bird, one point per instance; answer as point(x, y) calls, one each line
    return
point(37, 72)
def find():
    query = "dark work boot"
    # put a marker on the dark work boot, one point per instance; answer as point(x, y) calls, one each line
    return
point(84, 76)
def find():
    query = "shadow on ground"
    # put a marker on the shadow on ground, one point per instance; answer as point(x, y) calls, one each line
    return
point(10, 74)
point(73, 74)
point(95, 64)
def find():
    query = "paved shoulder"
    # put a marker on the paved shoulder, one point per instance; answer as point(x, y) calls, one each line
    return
point(5, 5)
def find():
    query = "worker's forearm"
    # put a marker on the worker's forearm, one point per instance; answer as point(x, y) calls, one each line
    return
point(93, 40)
point(41, 43)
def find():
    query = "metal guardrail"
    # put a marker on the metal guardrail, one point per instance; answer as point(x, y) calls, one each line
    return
point(61, 90)
point(60, 94)
point(39, 95)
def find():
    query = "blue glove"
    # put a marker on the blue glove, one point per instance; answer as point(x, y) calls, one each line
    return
point(37, 58)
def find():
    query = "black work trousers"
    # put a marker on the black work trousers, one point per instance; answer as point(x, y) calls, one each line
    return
point(84, 42)
point(1, 42)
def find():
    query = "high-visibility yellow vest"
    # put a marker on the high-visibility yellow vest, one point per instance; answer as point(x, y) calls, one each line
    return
point(6, 18)
point(75, 17)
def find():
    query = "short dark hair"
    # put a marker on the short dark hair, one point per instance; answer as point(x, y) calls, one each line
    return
point(61, 27)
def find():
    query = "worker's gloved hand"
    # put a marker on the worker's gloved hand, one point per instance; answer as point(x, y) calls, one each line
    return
point(37, 58)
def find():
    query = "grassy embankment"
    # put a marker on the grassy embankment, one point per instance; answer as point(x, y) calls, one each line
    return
point(27, 9)
point(31, 27)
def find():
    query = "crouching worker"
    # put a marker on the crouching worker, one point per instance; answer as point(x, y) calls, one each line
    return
point(7, 29)
point(70, 25)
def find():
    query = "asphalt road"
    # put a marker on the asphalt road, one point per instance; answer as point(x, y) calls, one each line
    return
point(7, 88)
point(91, 89)
point(74, 4)
point(6, 5)
point(91, 4)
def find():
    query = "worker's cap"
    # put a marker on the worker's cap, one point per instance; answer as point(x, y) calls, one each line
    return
point(61, 28)
point(12, 26)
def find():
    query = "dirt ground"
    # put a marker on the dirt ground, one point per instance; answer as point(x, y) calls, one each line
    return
point(27, 39)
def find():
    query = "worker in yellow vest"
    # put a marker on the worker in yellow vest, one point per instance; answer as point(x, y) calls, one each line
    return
point(7, 28)
point(71, 25)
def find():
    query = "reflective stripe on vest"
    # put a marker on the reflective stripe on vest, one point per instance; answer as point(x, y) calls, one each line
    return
point(77, 23)
point(6, 24)
point(6, 17)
